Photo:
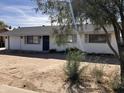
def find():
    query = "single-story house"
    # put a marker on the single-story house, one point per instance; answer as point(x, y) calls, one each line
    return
point(41, 38)
point(2, 39)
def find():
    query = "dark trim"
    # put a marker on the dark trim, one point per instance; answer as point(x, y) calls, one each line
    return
point(8, 42)
point(96, 42)
point(39, 39)
point(46, 43)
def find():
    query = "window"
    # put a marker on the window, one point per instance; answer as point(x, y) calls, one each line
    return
point(96, 38)
point(71, 38)
point(32, 40)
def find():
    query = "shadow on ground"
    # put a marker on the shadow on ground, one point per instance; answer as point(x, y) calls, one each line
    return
point(91, 58)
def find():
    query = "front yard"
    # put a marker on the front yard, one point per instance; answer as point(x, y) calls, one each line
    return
point(40, 72)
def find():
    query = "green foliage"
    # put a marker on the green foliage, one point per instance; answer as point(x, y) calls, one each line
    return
point(61, 39)
point(72, 66)
point(61, 35)
point(52, 50)
point(115, 81)
point(73, 71)
point(57, 9)
point(97, 12)
point(98, 73)
point(74, 49)
point(2, 25)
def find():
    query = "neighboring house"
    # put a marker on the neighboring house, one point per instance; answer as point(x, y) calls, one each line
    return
point(2, 39)
point(42, 39)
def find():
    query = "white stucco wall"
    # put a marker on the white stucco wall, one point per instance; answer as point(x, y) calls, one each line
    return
point(6, 42)
point(53, 45)
point(31, 47)
point(14, 42)
point(17, 43)
point(87, 47)
point(99, 47)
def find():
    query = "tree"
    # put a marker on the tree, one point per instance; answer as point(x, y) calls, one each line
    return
point(2, 25)
point(108, 13)
point(59, 12)
point(101, 13)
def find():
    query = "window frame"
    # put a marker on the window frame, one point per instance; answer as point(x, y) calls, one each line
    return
point(89, 40)
point(32, 42)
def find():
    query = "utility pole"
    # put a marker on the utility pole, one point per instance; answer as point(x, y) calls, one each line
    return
point(72, 15)
point(75, 26)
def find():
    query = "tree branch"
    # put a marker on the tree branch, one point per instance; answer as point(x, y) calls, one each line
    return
point(109, 43)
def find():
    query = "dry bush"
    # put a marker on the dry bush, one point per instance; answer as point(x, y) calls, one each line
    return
point(74, 72)
point(115, 82)
point(98, 73)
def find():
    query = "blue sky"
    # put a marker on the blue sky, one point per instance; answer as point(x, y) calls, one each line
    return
point(21, 13)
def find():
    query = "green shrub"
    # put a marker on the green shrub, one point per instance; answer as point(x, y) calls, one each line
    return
point(72, 66)
point(73, 70)
point(116, 84)
point(115, 80)
point(98, 73)
point(52, 51)
point(73, 50)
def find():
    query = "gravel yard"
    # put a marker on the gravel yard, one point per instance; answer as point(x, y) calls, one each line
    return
point(37, 72)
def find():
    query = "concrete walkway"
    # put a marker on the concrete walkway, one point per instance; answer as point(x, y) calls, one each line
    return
point(2, 48)
point(9, 89)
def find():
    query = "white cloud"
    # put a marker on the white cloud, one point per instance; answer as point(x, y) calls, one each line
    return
point(22, 16)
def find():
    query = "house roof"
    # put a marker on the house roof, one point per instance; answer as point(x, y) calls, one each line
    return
point(3, 30)
point(28, 31)
point(43, 30)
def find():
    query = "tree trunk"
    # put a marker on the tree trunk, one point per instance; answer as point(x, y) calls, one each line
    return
point(109, 43)
point(122, 65)
point(120, 57)
point(121, 53)
point(122, 70)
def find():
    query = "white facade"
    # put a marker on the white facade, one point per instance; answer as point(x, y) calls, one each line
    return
point(100, 47)
point(17, 43)
point(15, 40)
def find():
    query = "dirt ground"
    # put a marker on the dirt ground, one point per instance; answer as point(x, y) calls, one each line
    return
point(42, 73)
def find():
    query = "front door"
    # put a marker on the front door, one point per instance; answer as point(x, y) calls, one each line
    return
point(45, 43)
point(2, 42)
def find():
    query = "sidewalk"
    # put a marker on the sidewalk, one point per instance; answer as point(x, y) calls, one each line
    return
point(9, 89)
